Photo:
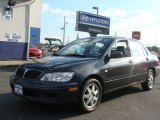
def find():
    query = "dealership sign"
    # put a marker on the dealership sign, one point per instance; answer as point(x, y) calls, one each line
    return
point(92, 23)
point(136, 35)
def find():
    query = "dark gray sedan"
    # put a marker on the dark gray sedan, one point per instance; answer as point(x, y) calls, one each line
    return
point(86, 69)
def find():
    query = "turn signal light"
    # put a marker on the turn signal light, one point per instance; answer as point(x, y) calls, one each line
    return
point(73, 89)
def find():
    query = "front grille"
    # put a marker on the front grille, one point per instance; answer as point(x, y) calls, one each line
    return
point(28, 73)
point(32, 74)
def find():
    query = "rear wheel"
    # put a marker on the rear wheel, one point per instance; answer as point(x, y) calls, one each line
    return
point(149, 83)
point(90, 95)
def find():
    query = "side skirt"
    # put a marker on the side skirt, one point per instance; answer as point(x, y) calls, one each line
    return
point(122, 87)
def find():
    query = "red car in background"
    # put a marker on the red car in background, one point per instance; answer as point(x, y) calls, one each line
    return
point(34, 52)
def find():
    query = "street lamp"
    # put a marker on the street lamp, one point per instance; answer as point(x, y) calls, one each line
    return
point(96, 8)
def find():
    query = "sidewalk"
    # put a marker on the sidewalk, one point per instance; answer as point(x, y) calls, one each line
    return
point(10, 66)
point(13, 63)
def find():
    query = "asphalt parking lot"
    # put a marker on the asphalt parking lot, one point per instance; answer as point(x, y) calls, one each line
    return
point(128, 104)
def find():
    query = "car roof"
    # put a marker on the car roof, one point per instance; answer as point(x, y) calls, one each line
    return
point(114, 37)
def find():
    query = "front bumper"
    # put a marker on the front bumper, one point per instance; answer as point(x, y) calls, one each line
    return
point(48, 93)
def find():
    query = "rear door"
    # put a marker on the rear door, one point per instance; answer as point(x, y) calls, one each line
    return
point(140, 60)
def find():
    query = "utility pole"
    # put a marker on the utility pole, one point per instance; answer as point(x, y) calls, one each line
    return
point(115, 33)
point(77, 36)
point(64, 29)
point(68, 40)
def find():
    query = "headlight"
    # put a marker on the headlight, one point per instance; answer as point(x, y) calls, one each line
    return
point(58, 76)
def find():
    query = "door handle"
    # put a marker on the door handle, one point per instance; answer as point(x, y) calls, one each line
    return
point(130, 61)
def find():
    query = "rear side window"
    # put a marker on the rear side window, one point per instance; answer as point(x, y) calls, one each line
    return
point(136, 48)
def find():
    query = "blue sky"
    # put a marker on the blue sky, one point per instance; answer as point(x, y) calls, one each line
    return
point(126, 16)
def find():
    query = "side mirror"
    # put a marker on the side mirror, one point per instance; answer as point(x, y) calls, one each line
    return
point(116, 54)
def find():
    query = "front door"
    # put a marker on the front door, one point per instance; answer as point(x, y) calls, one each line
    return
point(118, 70)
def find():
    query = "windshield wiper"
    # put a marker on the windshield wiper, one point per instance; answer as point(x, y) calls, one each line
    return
point(75, 55)
point(56, 55)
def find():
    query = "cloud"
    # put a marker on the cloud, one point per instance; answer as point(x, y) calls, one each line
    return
point(154, 1)
point(134, 20)
point(124, 22)
point(46, 8)
point(61, 12)
point(136, 17)
point(114, 12)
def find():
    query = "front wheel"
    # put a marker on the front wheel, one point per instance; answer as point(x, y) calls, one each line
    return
point(90, 95)
point(149, 83)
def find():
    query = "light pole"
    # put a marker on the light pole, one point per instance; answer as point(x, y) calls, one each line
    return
point(96, 8)
point(92, 34)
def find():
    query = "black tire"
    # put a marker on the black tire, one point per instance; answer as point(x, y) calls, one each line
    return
point(90, 97)
point(149, 83)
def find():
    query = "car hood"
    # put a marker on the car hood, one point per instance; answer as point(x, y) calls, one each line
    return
point(56, 61)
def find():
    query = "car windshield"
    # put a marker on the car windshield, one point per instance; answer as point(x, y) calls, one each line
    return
point(88, 47)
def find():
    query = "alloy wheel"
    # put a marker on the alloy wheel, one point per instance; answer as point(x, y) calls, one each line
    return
point(91, 96)
point(150, 80)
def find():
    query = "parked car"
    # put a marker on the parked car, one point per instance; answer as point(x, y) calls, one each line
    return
point(54, 41)
point(155, 50)
point(86, 69)
point(53, 46)
point(44, 47)
point(34, 52)
point(40, 45)
point(51, 50)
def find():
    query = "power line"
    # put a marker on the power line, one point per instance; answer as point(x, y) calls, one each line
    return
point(137, 26)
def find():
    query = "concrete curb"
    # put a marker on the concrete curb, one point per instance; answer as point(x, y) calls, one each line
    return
point(10, 66)
point(13, 63)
